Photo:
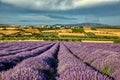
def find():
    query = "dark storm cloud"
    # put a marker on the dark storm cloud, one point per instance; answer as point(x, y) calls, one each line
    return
point(64, 11)
point(60, 17)
point(109, 10)
point(58, 4)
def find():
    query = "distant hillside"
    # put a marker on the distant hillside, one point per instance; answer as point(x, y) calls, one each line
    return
point(7, 25)
point(66, 25)
point(84, 24)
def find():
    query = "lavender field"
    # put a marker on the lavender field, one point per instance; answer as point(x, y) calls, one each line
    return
point(59, 61)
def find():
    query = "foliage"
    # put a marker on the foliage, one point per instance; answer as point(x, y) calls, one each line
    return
point(106, 70)
point(93, 28)
point(90, 34)
point(78, 30)
point(117, 41)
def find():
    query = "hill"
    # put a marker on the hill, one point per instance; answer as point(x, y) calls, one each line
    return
point(83, 24)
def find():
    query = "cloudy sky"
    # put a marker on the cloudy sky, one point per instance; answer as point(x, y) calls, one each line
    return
point(37, 12)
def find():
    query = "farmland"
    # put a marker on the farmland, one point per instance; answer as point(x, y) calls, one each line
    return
point(54, 33)
point(59, 61)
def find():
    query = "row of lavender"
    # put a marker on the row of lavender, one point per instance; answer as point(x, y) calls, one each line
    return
point(7, 49)
point(9, 61)
point(60, 61)
point(40, 67)
point(103, 57)
point(72, 68)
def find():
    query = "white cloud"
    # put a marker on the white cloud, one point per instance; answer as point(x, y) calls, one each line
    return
point(57, 4)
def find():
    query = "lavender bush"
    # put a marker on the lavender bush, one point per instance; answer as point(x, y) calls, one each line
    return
point(59, 61)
